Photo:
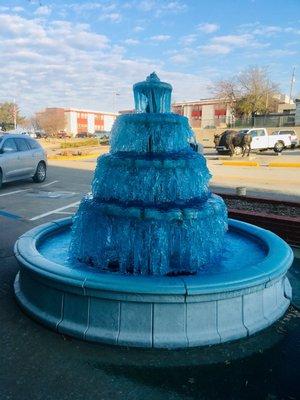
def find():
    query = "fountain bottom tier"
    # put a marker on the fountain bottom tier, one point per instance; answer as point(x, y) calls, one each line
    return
point(128, 238)
point(242, 294)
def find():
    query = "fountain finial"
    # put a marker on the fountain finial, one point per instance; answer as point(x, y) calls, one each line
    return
point(152, 95)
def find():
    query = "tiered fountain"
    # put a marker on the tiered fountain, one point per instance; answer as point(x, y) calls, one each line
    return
point(150, 258)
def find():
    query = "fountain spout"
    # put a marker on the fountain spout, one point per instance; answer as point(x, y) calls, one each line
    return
point(152, 95)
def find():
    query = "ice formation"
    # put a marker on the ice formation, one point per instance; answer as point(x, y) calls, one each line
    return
point(150, 211)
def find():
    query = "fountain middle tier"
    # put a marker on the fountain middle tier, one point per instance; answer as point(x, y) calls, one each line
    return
point(144, 133)
point(157, 178)
point(148, 240)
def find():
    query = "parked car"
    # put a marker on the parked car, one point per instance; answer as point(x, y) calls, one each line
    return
point(41, 134)
point(82, 135)
point(293, 136)
point(20, 131)
point(63, 135)
point(21, 157)
point(102, 134)
point(261, 140)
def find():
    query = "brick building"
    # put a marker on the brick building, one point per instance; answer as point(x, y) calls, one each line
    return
point(80, 121)
point(205, 113)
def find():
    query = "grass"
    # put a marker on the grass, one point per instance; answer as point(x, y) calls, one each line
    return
point(81, 143)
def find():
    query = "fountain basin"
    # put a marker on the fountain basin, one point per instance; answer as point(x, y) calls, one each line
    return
point(230, 302)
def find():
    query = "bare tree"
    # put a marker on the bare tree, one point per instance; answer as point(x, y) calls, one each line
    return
point(248, 93)
point(51, 120)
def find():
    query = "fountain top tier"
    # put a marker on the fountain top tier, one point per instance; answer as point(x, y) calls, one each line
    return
point(152, 95)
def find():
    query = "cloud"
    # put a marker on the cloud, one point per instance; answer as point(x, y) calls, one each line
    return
point(215, 49)
point(281, 53)
point(43, 11)
point(64, 64)
point(18, 9)
point(188, 39)
point(227, 43)
point(258, 29)
point(159, 8)
point(131, 41)
point(138, 29)
point(112, 17)
point(208, 28)
point(233, 40)
point(160, 38)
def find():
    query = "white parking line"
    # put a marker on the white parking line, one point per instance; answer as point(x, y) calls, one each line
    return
point(54, 211)
point(16, 191)
point(48, 184)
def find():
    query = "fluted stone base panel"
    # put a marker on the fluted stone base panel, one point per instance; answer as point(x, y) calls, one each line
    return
point(166, 323)
point(162, 312)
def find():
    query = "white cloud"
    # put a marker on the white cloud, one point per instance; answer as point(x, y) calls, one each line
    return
point(160, 38)
point(159, 8)
point(66, 64)
point(43, 11)
point(188, 39)
point(227, 43)
point(174, 6)
point(112, 17)
point(131, 41)
point(215, 49)
point(267, 30)
point(233, 40)
point(138, 29)
point(208, 28)
point(281, 53)
point(17, 9)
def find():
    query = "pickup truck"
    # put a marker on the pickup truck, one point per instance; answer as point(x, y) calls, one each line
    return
point(261, 140)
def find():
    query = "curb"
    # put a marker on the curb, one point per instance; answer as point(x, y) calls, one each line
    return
point(72, 158)
point(241, 163)
point(284, 164)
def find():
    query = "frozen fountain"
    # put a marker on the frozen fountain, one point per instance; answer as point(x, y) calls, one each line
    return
point(150, 258)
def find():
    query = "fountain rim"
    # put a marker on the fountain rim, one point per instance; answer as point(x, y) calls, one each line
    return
point(279, 257)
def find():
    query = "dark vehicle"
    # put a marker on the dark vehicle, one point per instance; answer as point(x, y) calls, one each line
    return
point(221, 143)
point(102, 134)
point(82, 135)
point(63, 135)
point(41, 134)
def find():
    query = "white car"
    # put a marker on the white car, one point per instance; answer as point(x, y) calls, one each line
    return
point(19, 131)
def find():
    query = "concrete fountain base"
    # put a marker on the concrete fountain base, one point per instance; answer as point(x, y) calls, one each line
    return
point(162, 312)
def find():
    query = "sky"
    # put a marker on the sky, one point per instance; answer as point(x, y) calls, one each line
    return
point(88, 54)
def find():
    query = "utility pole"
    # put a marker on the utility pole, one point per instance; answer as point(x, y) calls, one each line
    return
point(15, 115)
point(115, 94)
point(292, 84)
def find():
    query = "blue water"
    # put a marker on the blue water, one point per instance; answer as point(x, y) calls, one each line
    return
point(239, 252)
